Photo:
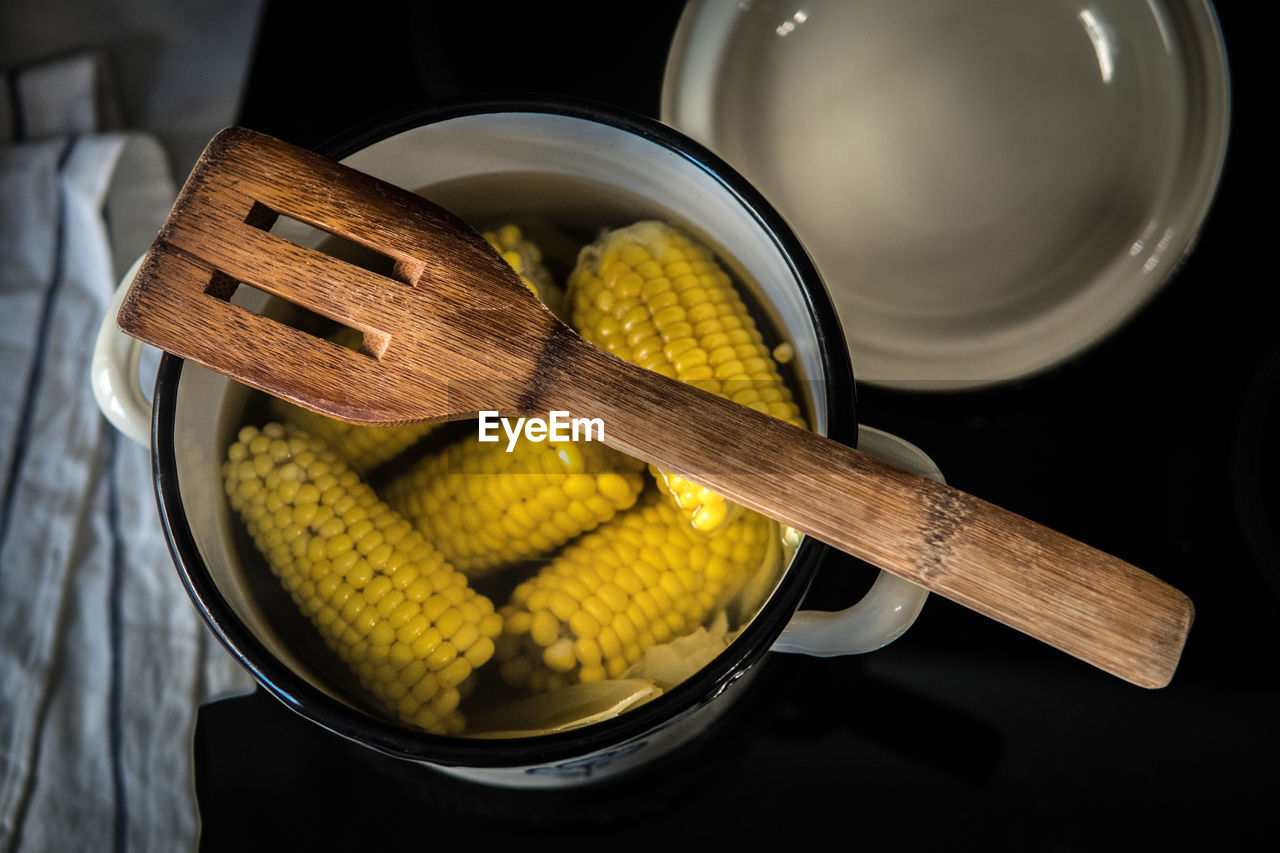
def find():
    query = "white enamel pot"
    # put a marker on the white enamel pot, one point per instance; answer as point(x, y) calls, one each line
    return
point(579, 165)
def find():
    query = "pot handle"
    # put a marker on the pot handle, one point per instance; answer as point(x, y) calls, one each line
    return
point(114, 372)
point(891, 605)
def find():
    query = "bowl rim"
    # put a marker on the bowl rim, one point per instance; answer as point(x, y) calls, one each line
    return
point(391, 738)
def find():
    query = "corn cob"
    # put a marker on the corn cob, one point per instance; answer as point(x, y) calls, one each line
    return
point(523, 256)
point(363, 448)
point(644, 578)
point(650, 295)
point(485, 508)
point(383, 599)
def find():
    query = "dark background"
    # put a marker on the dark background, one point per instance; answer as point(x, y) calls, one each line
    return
point(1156, 446)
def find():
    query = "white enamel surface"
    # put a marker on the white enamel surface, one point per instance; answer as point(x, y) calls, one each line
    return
point(892, 604)
point(987, 186)
point(113, 372)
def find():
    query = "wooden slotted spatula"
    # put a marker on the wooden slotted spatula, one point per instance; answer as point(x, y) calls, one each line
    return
point(453, 331)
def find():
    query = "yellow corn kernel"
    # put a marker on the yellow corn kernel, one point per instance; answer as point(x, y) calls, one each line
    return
point(524, 256)
point(361, 447)
point(484, 508)
point(626, 608)
point(651, 295)
point(388, 640)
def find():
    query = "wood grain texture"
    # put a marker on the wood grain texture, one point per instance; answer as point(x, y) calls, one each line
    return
point(454, 331)
point(451, 329)
point(1074, 597)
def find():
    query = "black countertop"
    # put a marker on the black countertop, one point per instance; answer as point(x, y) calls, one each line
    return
point(1156, 446)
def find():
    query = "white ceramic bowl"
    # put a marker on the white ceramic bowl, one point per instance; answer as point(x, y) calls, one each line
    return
point(988, 187)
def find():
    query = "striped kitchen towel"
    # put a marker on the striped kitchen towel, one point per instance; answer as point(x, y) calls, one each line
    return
point(103, 660)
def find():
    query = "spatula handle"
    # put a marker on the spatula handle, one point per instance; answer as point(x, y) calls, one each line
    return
point(1072, 596)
